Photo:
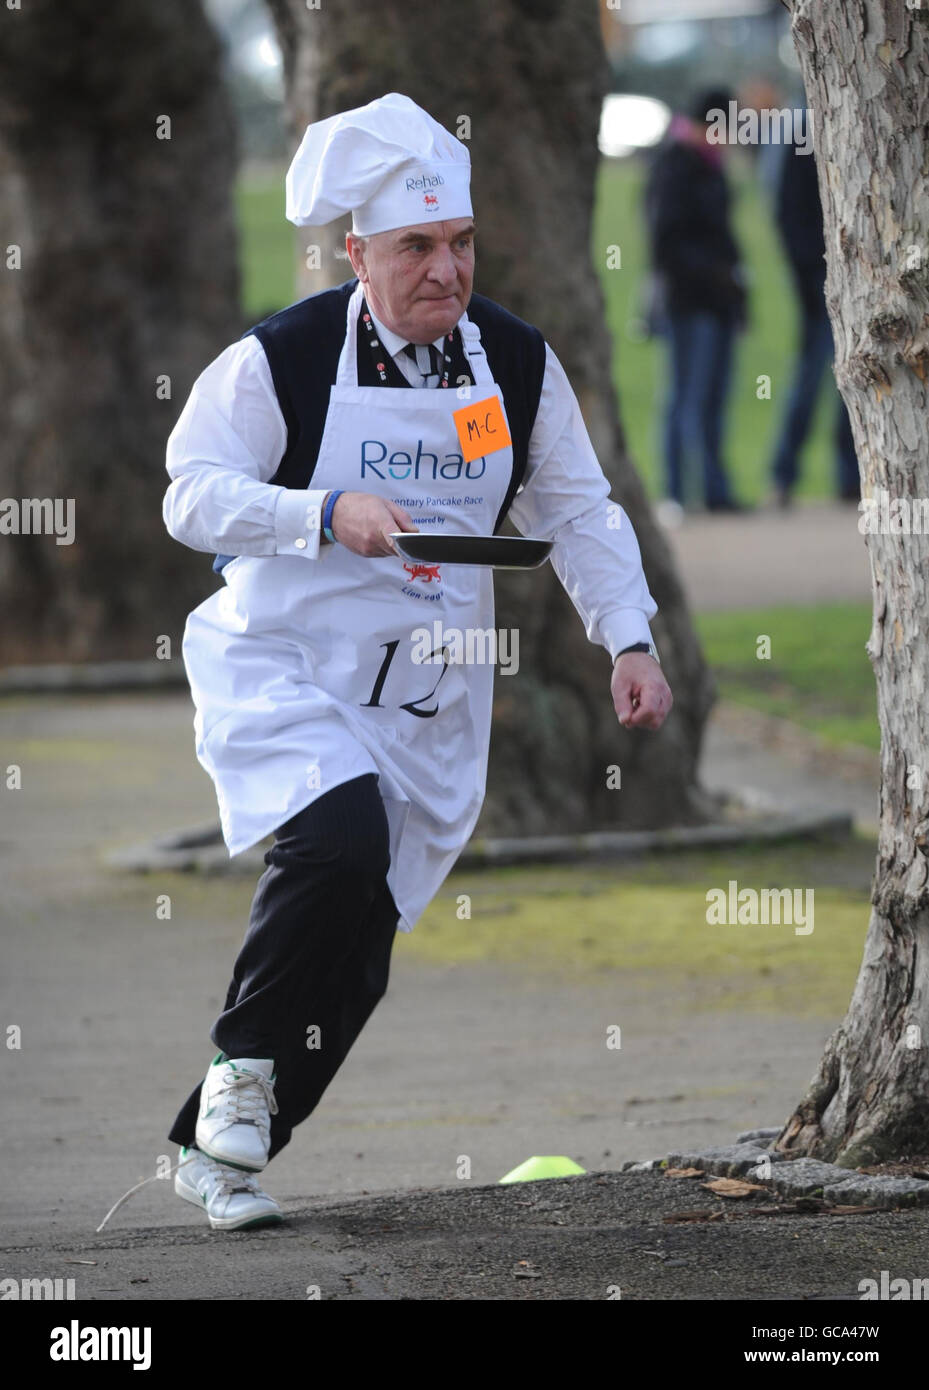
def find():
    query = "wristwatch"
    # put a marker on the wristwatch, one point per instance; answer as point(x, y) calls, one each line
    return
point(640, 647)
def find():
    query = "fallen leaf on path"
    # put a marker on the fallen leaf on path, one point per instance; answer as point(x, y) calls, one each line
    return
point(684, 1173)
point(732, 1187)
point(805, 1206)
point(702, 1215)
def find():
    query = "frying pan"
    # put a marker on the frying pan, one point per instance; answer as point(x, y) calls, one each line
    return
point(500, 552)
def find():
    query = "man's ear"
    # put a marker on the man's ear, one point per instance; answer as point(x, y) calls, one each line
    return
point(355, 248)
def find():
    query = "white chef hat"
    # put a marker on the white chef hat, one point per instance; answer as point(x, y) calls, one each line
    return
point(388, 163)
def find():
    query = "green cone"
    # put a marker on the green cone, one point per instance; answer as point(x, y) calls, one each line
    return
point(535, 1168)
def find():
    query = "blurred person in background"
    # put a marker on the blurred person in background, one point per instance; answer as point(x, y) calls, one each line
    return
point(759, 94)
point(698, 302)
point(799, 217)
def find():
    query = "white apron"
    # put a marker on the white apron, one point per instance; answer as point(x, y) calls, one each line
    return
point(302, 671)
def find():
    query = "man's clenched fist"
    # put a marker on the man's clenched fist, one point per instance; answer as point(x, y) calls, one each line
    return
point(641, 695)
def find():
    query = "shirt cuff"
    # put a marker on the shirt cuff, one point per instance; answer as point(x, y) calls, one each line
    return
point(623, 628)
point(298, 521)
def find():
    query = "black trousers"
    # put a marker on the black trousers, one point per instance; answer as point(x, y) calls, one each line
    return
point(316, 955)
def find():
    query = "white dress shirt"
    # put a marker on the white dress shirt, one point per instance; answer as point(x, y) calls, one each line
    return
point(231, 436)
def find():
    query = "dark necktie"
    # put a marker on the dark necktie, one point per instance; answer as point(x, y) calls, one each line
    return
point(418, 354)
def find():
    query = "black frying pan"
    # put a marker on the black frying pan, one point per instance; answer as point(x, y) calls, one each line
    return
point(500, 552)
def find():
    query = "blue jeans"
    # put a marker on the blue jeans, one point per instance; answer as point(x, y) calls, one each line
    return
point(816, 350)
point(701, 362)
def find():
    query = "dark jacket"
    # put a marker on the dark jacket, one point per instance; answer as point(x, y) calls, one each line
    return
point(695, 258)
point(799, 214)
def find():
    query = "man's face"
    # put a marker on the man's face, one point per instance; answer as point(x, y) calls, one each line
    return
point(417, 280)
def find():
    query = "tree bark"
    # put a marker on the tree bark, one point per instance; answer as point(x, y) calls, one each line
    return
point(529, 78)
point(866, 69)
point(128, 276)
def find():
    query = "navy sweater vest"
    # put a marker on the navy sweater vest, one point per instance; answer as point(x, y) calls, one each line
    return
point(303, 344)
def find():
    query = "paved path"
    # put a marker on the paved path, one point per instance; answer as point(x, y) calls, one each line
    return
point(778, 767)
point(115, 1006)
point(813, 553)
point(595, 1237)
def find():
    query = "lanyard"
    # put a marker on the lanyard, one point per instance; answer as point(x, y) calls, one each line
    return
point(452, 351)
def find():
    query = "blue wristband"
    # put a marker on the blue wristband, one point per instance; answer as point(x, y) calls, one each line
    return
point(327, 514)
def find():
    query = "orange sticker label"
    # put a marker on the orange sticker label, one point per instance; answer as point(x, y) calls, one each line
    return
point(481, 428)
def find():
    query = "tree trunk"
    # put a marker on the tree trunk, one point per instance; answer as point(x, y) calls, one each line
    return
point(127, 287)
point(866, 69)
point(528, 79)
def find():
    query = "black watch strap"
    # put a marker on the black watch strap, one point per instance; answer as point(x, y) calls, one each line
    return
point(648, 647)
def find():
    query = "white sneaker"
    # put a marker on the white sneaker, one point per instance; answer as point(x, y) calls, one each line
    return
point(232, 1198)
point(236, 1103)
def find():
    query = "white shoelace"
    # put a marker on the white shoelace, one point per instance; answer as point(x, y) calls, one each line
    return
point(231, 1181)
point(249, 1095)
point(159, 1177)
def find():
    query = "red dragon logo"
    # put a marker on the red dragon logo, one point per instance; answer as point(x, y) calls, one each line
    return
point(430, 200)
point(424, 572)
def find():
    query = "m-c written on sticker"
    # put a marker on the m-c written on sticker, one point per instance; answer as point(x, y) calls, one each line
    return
point(481, 428)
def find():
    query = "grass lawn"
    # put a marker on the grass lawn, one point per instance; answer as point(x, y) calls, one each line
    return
point(267, 245)
point(818, 675)
point(647, 920)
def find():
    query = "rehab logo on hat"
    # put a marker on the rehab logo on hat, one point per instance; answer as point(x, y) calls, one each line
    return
point(425, 186)
point(424, 181)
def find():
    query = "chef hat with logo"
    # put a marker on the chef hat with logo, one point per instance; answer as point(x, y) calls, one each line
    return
point(388, 163)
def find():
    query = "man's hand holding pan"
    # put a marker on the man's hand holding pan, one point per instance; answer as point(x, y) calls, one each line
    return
point(363, 523)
